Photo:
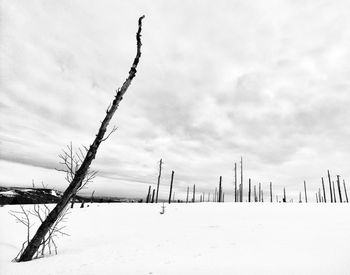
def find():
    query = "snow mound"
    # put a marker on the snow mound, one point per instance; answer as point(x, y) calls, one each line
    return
point(9, 193)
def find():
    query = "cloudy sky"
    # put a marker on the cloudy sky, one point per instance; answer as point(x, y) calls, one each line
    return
point(265, 80)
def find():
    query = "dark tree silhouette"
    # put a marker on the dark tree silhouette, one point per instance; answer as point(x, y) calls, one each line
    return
point(324, 191)
point(159, 175)
point(171, 185)
point(80, 174)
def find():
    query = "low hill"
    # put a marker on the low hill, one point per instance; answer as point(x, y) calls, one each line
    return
point(20, 195)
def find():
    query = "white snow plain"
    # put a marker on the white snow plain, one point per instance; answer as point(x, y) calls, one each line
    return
point(200, 238)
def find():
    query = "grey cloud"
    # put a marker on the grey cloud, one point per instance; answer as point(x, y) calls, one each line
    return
point(216, 81)
point(28, 160)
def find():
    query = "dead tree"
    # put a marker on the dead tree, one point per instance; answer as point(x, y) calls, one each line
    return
point(259, 192)
point(148, 194)
point(324, 191)
point(300, 197)
point(220, 190)
point(255, 196)
point(346, 193)
point(249, 189)
point(188, 190)
point(80, 175)
point(319, 195)
point(159, 175)
point(270, 191)
point(152, 201)
point(239, 192)
point(334, 196)
point(339, 190)
point(70, 162)
point(305, 191)
point(241, 189)
point(92, 197)
point(163, 209)
point(23, 218)
point(40, 212)
point(194, 193)
point(235, 182)
point(171, 186)
point(330, 186)
point(284, 195)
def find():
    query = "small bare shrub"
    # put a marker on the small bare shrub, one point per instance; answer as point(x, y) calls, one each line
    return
point(163, 209)
point(38, 213)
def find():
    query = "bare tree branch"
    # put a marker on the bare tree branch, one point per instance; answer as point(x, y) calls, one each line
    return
point(111, 132)
point(71, 161)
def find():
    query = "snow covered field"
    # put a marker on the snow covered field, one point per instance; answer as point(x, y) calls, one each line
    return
point(202, 238)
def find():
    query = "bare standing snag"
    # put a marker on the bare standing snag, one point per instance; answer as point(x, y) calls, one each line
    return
point(79, 176)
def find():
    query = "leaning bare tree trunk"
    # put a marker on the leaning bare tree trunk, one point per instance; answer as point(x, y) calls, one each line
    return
point(44, 228)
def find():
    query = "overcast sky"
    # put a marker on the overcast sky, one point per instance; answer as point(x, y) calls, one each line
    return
point(265, 80)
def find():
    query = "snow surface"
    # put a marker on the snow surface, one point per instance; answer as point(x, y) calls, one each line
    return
point(10, 193)
point(201, 238)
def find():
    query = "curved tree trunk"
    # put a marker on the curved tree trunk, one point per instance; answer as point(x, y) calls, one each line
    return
point(73, 187)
